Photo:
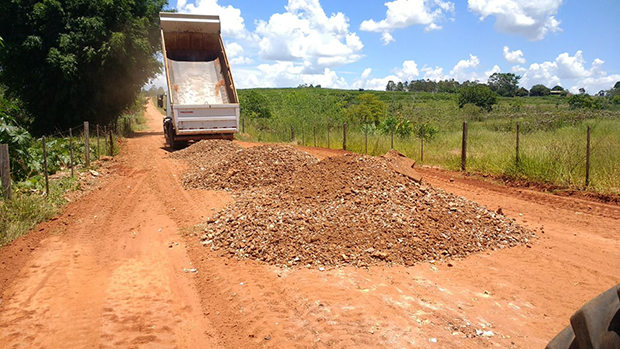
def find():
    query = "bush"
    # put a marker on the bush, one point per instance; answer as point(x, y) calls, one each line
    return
point(479, 95)
point(429, 131)
point(539, 90)
point(522, 92)
point(255, 105)
point(401, 127)
point(584, 102)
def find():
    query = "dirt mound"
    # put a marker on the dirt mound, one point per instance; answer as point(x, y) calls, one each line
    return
point(356, 210)
point(250, 168)
point(207, 152)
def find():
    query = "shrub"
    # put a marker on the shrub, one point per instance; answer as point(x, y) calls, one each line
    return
point(479, 95)
point(401, 127)
point(584, 102)
point(539, 90)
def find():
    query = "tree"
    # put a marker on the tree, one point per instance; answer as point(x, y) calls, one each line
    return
point(617, 85)
point(391, 86)
point(399, 86)
point(255, 105)
point(539, 90)
point(70, 61)
point(584, 101)
point(479, 95)
point(582, 91)
point(368, 108)
point(558, 88)
point(504, 84)
point(522, 92)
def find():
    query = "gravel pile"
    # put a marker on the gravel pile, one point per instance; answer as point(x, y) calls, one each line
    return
point(250, 168)
point(206, 153)
point(354, 210)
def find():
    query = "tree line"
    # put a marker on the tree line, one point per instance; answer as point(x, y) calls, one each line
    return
point(65, 62)
point(503, 84)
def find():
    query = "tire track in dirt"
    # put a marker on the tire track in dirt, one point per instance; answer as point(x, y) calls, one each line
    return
point(107, 278)
point(93, 283)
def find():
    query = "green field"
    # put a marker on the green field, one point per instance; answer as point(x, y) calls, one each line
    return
point(552, 136)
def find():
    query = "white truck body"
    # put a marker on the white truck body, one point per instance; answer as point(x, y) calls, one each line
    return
point(202, 100)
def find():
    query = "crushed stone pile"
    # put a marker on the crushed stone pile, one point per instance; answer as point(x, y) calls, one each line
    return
point(250, 168)
point(356, 210)
point(207, 152)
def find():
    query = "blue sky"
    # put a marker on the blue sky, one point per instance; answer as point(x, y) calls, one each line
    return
point(363, 44)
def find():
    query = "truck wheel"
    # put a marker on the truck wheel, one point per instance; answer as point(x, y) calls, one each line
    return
point(170, 135)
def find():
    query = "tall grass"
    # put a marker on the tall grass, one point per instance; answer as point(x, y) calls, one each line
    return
point(26, 210)
point(552, 139)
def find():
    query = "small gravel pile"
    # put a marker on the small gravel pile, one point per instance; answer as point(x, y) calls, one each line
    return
point(207, 152)
point(355, 210)
point(250, 168)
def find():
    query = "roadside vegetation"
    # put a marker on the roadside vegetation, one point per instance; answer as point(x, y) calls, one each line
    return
point(30, 204)
point(63, 63)
point(552, 128)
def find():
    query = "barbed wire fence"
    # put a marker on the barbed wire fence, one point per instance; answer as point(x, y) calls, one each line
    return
point(84, 142)
point(466, 151)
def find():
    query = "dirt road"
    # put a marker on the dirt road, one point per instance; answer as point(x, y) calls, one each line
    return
point(108, 273)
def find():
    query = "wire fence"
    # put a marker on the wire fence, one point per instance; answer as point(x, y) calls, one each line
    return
point(70, 149)
point(586, 157)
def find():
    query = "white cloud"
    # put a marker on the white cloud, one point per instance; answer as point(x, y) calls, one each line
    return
point(386, 38)
point(514, 57)
point(405, 13)
point(305, 34)
point(464, 69)
point(378, 84)
point(289, 74)
point(533, 19)
point(232, 23)
point(434, 74)
point(572, 67)
point(431, 27)
point(234, 51)
point(366, 73)
point(409, 71)
point(494, 70)
point(567, 70)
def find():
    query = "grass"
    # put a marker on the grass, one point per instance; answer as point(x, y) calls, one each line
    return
point(28, 206)
point(552, 137)
point(26, 210)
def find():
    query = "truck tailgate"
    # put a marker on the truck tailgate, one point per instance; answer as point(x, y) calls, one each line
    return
point(214, 118)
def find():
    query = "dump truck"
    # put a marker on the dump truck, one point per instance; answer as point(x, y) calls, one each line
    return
point(201, 99)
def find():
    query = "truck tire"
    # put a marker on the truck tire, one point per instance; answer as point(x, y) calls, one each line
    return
point(170, 137)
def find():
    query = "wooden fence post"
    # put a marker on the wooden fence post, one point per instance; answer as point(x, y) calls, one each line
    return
point(98, 150)
point(344, 136)
point(464, 148)
point(517, 149)
point(588, 158)
point(270, 135)
point(86, 144)
point(422, 144)
point(71, 149)
point(392, 138)
point(47, 180)
point(111, 143)
point(242, 125)
point(105, 135)
point(303, 135)
point(5, 171)
point(292, 133)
